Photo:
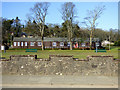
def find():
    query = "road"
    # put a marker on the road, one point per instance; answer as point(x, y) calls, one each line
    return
point(14, 81)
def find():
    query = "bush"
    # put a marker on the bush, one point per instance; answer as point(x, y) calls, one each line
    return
point(117, 43)
point(17, 49)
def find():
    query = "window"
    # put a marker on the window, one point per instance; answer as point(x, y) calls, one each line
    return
point(21, 43)
point(39, 44)
point(68, 44)
point(83, 44)
point(54, 43)
point(97, 44)
point(14, 43)
point(61, 43)
point(18, 43)
point(31, 43)
point(25, 43)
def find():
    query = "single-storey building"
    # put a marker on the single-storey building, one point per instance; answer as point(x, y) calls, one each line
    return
point(35, 42)
point(105, 43)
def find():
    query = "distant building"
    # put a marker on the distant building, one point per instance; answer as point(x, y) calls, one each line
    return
point(23, 34)
point(105, 43)
point(35, 42)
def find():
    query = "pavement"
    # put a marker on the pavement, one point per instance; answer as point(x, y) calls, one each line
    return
point(25, 81)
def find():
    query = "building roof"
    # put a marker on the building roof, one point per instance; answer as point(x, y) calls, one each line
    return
point(60, 39)
point(45, 39)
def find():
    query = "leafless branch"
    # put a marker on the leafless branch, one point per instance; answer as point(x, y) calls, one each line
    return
point(40, 11)
point(90, 21)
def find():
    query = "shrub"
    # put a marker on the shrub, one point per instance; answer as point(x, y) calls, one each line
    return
point(117, 43)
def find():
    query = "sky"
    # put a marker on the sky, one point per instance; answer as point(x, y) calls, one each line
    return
point(107, 20)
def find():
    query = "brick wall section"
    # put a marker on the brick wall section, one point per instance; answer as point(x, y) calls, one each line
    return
point(60, 65)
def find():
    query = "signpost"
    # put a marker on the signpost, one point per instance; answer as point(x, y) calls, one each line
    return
point(97, 44)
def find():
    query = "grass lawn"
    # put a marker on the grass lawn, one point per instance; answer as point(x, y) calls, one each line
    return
point(81, 54)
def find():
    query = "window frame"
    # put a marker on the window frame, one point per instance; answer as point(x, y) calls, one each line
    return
point(68, 44)
point(15, 43)
point(61, 44)
point(31, 44)
point(22, 44)
point(39, 43)
point(54, 43)
point(83, 44)
point(26, 43)
point(18, 43)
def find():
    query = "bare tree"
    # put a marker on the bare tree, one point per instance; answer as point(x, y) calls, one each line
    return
point(40, 11)
point(90, 21)
point(68, 14)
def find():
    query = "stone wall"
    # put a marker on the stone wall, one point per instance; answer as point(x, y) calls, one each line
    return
point(59, 65)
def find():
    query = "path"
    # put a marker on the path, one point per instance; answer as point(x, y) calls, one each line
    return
point(11, 81)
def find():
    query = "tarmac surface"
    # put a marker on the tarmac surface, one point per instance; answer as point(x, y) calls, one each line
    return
point(22, 81)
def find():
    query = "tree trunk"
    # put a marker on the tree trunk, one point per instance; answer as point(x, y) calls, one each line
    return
point(71, 48)
point(42, 35)
point(69, 33)
point(70, 39)
point(90, 42)
point(91, 39)
point(70, 45)
point(42, 44)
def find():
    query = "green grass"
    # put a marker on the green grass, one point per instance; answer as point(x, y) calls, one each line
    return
point(81, 54)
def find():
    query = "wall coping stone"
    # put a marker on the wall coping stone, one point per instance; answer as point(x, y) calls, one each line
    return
point(22, 56)
point(43, 59)
point(35, 56)
point(4, 59)
point(101, 56)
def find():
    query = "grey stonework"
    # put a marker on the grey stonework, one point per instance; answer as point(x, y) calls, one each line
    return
point(60, 65)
